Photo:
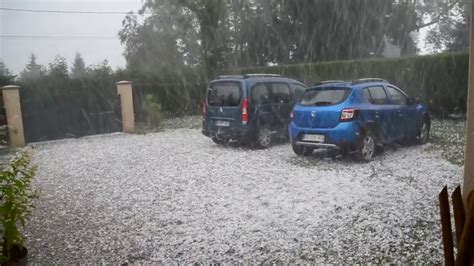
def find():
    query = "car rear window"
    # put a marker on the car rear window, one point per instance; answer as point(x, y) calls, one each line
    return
point(324, 96)
point(224, 93)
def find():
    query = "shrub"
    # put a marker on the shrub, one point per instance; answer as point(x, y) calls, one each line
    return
point(16, 202)
point(151, 111)
point(178, 93)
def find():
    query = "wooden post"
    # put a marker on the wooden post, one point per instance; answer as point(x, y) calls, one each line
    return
point(11, 101)
point(446, 227)
point(465, 254)
point(124, 89)
point(469, 150)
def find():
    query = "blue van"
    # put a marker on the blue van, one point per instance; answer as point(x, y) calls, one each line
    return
point(355, 117)
point(250, 109)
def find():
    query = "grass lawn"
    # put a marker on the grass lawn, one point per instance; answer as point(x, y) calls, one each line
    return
point(448, 136)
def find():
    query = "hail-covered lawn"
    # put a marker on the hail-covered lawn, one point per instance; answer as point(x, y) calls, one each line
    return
point(449, 137)
point(175, 196)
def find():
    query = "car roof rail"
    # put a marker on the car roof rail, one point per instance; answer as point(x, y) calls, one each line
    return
point(230, 77)
point(261, 75)
point(329, 82)
point(366, 80)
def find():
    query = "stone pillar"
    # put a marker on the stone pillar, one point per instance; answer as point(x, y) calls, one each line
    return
point(11, 102)
point(124, 89)
point(469, 150)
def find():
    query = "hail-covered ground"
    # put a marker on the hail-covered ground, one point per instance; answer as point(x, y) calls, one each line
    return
point(176, 197)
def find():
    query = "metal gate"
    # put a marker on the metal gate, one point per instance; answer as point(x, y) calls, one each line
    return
point(61, 117)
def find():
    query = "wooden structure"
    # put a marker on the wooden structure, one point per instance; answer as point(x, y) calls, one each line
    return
point(11, 101)
point(463, 207)
point(463, 224)
point(124, 89)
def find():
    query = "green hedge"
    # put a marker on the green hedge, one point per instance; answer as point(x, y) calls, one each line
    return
point(439, 80)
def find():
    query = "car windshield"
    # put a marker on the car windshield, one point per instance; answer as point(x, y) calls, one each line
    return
point(324, 96)
point(224, 93)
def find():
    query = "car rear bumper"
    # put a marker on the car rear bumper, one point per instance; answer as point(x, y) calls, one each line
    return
point(242, 133)
point(319, 145)
point(345, 134)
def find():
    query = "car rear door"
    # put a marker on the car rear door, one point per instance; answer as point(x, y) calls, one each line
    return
point(406, 114)
point(224, 101)
point(281, 104)
point(380, 112)
point(260, 104)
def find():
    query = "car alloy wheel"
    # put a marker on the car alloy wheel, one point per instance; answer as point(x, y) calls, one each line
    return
point(368, 147)
point(264, 137)
point(424, 133)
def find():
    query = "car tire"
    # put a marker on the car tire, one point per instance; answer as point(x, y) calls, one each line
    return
point(423, 132)
point(263, 138)
point(367, 147)
point(301, 150)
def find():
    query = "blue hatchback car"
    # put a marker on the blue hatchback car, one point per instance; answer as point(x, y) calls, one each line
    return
point(356, 117)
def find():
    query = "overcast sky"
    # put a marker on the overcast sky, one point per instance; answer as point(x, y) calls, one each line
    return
point(14, 51)
point(101, 29)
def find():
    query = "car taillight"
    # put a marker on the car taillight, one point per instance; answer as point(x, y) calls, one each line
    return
point(245, 111)
point(348, 114)
point(204, 110)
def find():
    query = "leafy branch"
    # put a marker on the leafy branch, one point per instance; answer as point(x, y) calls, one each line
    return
point(16, 201)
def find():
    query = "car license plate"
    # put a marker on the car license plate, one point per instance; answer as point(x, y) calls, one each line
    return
point(313, 137)
point(222, 123)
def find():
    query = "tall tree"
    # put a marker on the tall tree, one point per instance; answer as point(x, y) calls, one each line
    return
point(32, 70)
point(217, 34)
point(58, 68)
point(448, 23)
point(78, 68)
point(210, 15)
point(6, 76)
point(460, 32)
point(159, 43)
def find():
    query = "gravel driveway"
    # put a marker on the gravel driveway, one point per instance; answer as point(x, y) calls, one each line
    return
point(175, 196)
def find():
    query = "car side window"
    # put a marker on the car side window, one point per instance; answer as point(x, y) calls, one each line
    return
point(299, 90)
point(397, 96)
point(376, 95)
point(260, 94)
point(280, 92)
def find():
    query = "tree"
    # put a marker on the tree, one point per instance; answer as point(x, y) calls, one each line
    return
point(449, 23)
point(401, 21)
point(153, 46)
point(58, 68)
point(78, 68)
point(460, 32)
point(6, 78)
point(32, 69)
point(219, 34)
point(210, 15)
